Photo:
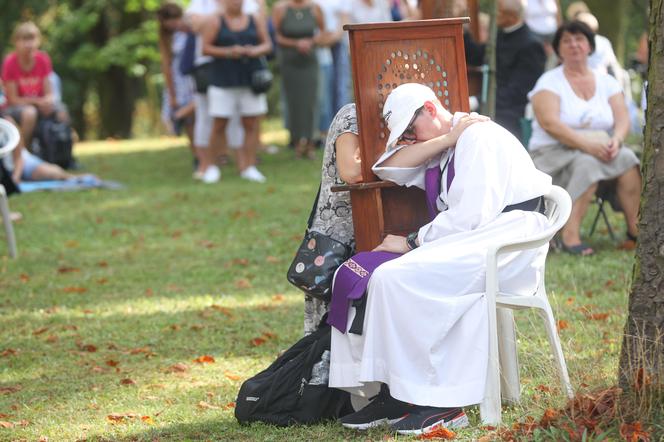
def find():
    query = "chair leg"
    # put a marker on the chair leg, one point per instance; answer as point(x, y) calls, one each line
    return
point(509, 360)
point(600, 210)
point(491, 407)
point(606, 221)
point(557, 350)
point(7, 222)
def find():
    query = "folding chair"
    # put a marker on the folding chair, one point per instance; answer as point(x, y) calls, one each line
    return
point(502, 342)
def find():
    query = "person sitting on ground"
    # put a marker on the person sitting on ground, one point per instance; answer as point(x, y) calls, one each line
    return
point(424, 346)
point(23, 165)
point(25, 73)
point(580, 124)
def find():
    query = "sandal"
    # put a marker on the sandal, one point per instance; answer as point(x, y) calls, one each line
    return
point(581, 249)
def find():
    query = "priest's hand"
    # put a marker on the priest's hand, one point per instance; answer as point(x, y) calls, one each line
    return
point(394, 244)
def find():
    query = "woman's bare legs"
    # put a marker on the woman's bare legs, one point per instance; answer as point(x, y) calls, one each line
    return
point(571, 232)
point(629, 192)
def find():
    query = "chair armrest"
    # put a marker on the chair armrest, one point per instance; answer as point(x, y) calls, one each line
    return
point(363, 186)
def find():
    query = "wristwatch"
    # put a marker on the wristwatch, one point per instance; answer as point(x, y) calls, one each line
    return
point(411, 240)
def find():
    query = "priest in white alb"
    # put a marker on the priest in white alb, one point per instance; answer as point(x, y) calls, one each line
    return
point(423, 347)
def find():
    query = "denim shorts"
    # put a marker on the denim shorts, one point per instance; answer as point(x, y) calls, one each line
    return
point(30, 163)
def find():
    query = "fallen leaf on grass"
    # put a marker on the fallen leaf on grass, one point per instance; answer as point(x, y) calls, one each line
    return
point(74, 290)
point(102, 264)
point(141, 350)
point(197, 327)
point(127, 381)
point(272, 259)
point(71, 244)
point(225, 310)
point(569, 301)
point(24, 277)
point(65, 269)
point(148, 420)
point(119, 418)
point(633, 432)
point(176, 234)
point(257, 341)
point(10, 389)
point(562, 324)
point(87, 347)
point(178, 368)
point(207, 244)
point(244, 262)
point(52, 339)
point(205, 359)
point(549, 417)
point(5, 424)
point(39, 331)
point(438, 433)
point(102, 281)
point(149, 292)
point(609, 283)
point(278, 297)
point(4, 416)
point(9, 352)
point(543, 388)
point(243, 283)
point(597, 316)
point(230, 405)
point(231, 376)
point(112, 363)
point(205, 406)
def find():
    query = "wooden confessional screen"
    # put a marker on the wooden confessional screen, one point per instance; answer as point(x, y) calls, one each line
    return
point(385, 55)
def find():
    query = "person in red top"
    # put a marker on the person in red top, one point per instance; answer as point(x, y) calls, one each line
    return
point(25, 73)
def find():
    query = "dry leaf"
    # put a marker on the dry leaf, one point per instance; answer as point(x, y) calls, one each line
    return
point(127, 381)
point(609, 283)
point(257, 341)
point(176, 234)
point(52, 339)
point(597, 316)
point(240, 262)
point(102, 280)
point(225, 310)
point(269, 335)
point(174, 327)
point(9, 352)
point(74, 290)
point(205, 406)
point(5, 424)
point(148, 420)
point(65, 269)
point(543, 388)
point(112, 363)
point(205, 359)
point(562, 324)
point(118, 418)
point(231, 376)
point(230, 405)
point(272, 259)
point(10, 389)
point(207, 244)
point(278, 297)
point(197, 327)
point(71, 244)
point(178, 368)
point(243, 283)
point(24, 277)
point(87, 347)
point(633, 432)
point(141, 350)
point(39, 331)
point(439, 432)
point(102, 264)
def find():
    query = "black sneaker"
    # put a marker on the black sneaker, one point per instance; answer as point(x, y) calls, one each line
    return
point(422, 420)
point(382, 410)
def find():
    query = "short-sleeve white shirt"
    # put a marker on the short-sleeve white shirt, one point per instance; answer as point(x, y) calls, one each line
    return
point(541, 16)
point(575, 112)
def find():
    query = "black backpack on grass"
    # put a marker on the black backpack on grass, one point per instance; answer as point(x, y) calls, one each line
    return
point(294, 389)
point(53, 142)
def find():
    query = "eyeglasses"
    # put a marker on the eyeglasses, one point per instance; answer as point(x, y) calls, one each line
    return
point(409, 133)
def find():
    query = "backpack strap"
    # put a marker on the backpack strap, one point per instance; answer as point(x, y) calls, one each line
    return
point(313, 209)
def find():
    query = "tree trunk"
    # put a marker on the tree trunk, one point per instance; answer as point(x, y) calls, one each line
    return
point(642, 355)
point(117, 96)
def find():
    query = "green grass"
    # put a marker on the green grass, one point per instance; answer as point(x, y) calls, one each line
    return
point(169, 270)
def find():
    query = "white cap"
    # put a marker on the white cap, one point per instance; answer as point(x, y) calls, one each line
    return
point(401, 105)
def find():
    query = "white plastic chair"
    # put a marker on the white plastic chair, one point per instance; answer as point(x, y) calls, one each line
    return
point(502, 341)
point(9, 139)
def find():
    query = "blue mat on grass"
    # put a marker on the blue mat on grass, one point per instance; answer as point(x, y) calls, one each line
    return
point(78, 183)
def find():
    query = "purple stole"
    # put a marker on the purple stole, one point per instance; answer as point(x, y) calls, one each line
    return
point(352, 278)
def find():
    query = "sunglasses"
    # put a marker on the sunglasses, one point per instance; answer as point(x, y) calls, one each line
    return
point(409, 134)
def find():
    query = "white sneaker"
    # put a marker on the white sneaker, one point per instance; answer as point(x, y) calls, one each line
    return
point(211, 175)
point(253, 174)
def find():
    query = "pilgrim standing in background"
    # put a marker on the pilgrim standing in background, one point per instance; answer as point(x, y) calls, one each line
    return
point(299, 25)
point(236, 41)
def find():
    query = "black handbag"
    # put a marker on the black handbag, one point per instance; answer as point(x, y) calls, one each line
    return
point(316, 260)
point(202, 74)
point(261, 77)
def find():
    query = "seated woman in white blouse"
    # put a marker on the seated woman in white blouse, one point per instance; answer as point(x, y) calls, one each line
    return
point(580, 124)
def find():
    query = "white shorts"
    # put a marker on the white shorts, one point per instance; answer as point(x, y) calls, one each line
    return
point(203, 121)
point(227, 102)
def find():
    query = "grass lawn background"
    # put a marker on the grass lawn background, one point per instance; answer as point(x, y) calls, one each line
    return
point(115, 293)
